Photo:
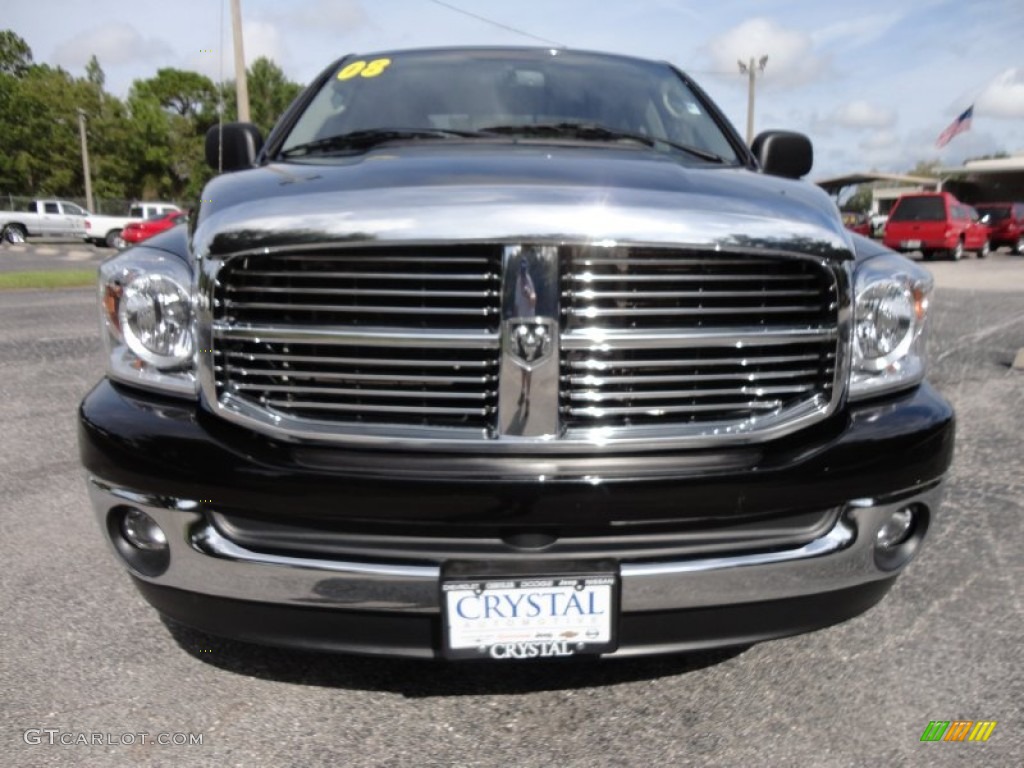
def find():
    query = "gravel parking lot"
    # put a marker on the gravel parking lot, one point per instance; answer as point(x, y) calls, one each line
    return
point(82, 653)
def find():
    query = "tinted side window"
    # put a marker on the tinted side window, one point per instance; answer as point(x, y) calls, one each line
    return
point(994, 212)
point(919, 209)
point(51, 208)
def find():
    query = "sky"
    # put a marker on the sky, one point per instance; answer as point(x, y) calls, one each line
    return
point(872, 82)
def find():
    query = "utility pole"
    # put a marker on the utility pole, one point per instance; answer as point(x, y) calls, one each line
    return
point(751, 71)
point(85, 161)
point(241, 83)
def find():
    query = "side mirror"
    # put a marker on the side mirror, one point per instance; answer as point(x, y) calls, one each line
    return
point(784, 153)
point(233, 146)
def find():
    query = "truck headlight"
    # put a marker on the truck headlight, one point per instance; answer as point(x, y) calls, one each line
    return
point(147, 318)
point(890, 313)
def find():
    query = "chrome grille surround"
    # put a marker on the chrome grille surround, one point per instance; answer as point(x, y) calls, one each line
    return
point(692, 356)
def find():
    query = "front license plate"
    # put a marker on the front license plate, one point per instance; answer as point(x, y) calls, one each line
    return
point(911, 243)
point(530, 618)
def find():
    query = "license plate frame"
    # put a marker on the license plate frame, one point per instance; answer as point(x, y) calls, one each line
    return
point(586, 596)
point(912, 244)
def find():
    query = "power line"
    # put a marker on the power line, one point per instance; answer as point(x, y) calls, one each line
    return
point(493, 23)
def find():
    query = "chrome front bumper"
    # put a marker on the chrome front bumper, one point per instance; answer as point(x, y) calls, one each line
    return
point(203, 561)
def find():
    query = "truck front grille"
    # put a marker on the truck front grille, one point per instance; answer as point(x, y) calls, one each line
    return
point(655, 346)
point(362, 336)
point(698, 337)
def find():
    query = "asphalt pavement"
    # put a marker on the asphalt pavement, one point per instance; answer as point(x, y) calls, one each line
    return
point(51, 255)
point(82, 657)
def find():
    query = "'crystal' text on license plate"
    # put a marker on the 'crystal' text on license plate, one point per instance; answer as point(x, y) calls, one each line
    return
point(529, 618)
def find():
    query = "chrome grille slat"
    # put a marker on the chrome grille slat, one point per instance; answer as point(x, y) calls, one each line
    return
point(601, 381)
point(601, 365)
point(358, 361)
point(593, 312)
point(362, 309)
point(362, 292)
point(665, 259)
point(313, 405)
point(350, 275)
point(373, 337)
point(342, 256)
point(301, 375)
point(604, 340)
point(683, 394)
point(592, 295)
point(360, 393)
point(717, 409)
point(626, 277)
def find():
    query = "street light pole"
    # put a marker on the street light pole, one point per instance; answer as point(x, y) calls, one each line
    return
point(751, 71)
point(241, 82)
point(85, 161)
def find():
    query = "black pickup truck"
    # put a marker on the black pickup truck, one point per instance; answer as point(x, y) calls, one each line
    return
point(512, 353)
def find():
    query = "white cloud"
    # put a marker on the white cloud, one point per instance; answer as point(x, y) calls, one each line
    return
point(262, 38)
point(113, 44)
point(791, 57)
point(340, 16)
point(880, 141)
point(861, 115)
point(1004, 96)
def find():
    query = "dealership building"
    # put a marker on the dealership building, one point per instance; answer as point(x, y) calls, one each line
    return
point(976, 181)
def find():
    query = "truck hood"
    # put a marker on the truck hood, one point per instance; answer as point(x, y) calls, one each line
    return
point(483, 192)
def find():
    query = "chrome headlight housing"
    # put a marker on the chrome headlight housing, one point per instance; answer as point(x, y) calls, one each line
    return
point(147, 320)
point(890, 312)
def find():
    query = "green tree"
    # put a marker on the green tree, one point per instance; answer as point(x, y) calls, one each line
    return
point(270, 93)
point(39, 125)
point(15, 55)
point(188, 94)
point(171, 113)
point(926, 168)
point(94, 73)
point(860, 200)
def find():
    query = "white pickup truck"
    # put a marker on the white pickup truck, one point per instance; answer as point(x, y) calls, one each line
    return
point(106, 230)
point(43, 218)
point(60, 218)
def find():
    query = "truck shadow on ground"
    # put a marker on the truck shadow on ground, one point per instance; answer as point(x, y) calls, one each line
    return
point(428, 678)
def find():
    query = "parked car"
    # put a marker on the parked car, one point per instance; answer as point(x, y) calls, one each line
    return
point(43, 218)
point(935, 223)
point(508, 354)
point(1006, 224)
point(106, 230)
point(150, 210)
point(137, 231)
point(857, 222)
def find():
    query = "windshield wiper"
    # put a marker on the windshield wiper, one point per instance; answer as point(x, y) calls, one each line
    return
point(596, 132)
point(370, 138)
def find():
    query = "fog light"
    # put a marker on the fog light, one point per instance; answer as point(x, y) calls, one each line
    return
point(896, 530)
point(142, 532)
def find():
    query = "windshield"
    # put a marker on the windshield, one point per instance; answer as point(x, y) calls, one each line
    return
point(465, 92)
point(995, 212)
point(919, 209)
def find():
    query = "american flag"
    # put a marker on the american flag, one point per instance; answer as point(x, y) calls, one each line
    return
point(961, 124)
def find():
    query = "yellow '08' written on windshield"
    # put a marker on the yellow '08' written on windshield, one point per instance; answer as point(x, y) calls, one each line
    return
point(364, 69)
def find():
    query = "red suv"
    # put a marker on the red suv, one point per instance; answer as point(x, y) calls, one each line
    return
point(935, 223)
point(1006, 224)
